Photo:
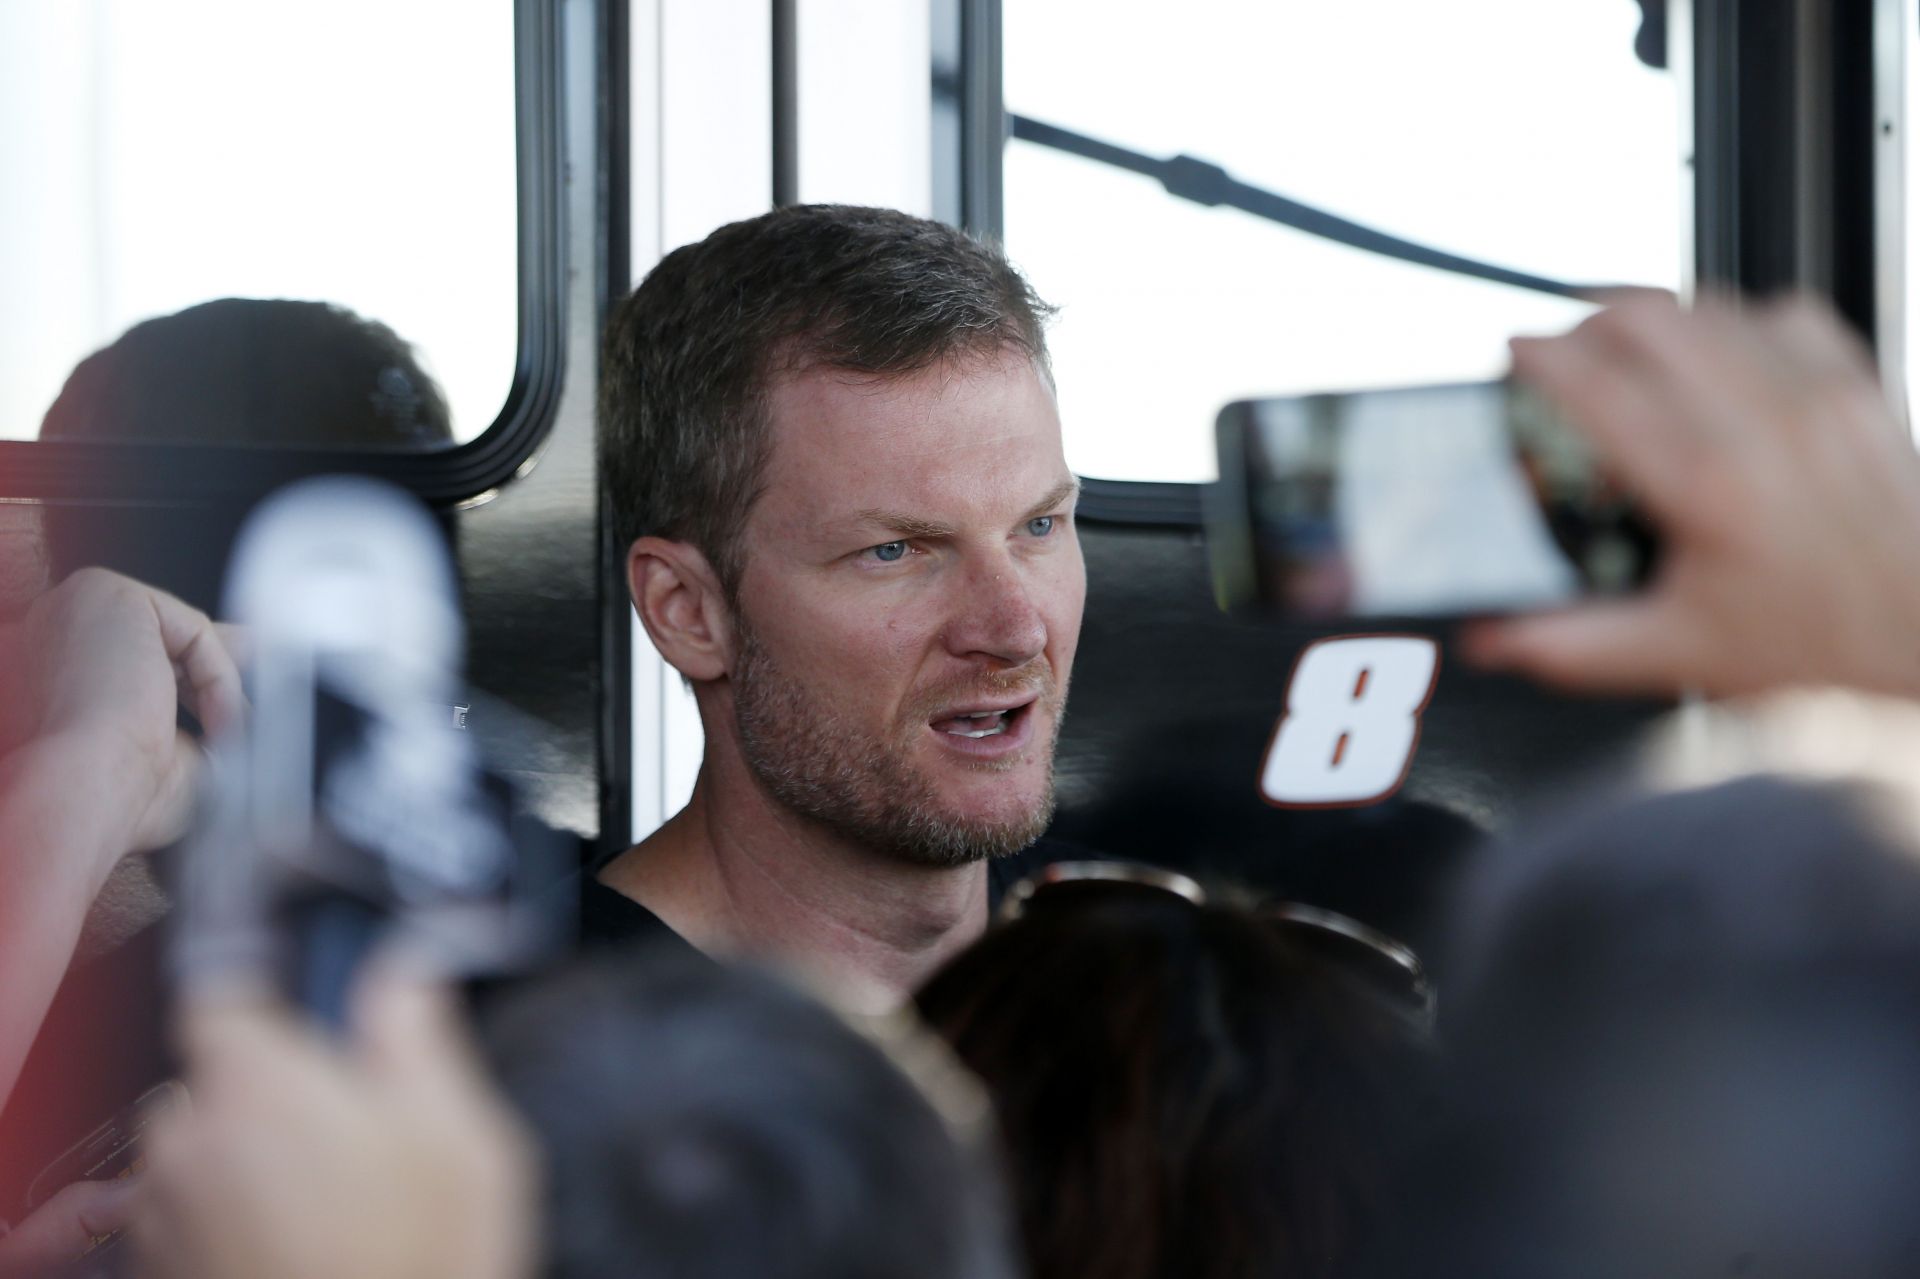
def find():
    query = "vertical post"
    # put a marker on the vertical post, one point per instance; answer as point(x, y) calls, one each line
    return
point(1792, 176)
point(786, 103)
point(983, 132)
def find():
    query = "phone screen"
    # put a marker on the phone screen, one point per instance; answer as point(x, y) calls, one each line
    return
point(1416, 501)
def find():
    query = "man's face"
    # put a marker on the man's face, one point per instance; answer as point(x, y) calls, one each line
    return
point(909, 607)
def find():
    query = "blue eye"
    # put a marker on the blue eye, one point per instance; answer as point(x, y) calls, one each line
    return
point(1040, 527)
point(888, 552)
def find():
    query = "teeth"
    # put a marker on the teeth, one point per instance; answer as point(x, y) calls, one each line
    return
point(996, 723)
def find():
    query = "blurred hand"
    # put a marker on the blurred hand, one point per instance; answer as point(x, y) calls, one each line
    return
point(97, 670)
point(300, 1159)
point(1787, 493)
point(63, 1228)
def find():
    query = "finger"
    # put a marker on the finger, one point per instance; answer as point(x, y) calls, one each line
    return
point(195, 647)
point(408, 1026)
point(236, 1029)
point(168, 815)
point(1627, 424)
point(1806, 337)
point(65, 1226)
point(1634, 647)
point(1704, 365)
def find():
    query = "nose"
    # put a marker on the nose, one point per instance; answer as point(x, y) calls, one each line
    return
point(996, 616)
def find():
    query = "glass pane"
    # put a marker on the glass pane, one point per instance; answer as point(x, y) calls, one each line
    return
point(1523, 134)
point(357, 154)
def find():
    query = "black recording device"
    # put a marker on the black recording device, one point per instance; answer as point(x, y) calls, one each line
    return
point(1433, 501)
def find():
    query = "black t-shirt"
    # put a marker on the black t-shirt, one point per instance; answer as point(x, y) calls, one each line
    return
point(610, 918)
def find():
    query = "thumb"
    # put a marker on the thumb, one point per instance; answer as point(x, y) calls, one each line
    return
point(237, 1028)
point(407, 1027)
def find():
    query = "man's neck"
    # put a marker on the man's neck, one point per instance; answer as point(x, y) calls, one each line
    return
point(736, 874)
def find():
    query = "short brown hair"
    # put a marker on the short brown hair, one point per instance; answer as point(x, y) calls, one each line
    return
point(690, 356)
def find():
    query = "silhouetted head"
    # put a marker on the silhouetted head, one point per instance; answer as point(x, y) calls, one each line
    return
point(236, 372)
point(1685, 1041)
point(701, 1122)
point(1184, 1089)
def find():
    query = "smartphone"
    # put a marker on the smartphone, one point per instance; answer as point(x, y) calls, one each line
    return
point(1429, 501)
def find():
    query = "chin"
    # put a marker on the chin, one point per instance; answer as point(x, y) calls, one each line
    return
point(980, 808)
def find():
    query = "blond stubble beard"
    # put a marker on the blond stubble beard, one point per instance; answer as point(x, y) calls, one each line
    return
point(863, 789)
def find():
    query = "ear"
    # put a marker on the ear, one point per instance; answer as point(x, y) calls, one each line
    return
point(678, 596)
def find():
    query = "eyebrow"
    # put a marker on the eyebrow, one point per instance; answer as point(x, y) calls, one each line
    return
point(907, 525)
point(914, 526)
point(1056, 495)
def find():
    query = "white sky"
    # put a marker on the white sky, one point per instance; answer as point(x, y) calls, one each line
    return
point(170, 161)
point(1520, 132)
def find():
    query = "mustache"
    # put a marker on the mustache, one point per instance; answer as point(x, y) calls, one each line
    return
point(1036, 677)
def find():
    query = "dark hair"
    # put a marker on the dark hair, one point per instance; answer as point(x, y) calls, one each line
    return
point(701, 1122)
point(1686, 1042)
point(254, 371)
point(690, 355)
point(1184, 1091)
point(237, 371)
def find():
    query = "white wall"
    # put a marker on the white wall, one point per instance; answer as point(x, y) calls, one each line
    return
point(702, 156)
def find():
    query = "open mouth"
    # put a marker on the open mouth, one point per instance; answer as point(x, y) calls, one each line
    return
point(982, 723)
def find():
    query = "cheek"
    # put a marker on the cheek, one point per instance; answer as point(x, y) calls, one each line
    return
point(857, 645)
point(1066, 600)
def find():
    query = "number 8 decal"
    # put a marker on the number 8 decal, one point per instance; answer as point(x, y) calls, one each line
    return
point(1352, 721)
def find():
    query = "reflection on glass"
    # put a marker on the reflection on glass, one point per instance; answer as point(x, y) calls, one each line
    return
point(359, 152)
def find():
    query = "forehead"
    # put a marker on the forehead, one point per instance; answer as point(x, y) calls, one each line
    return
point(970, 434)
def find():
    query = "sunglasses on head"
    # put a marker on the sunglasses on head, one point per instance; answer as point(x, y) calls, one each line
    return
point(1387, 965)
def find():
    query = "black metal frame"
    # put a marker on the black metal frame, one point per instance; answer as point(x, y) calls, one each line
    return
point(614, 221)
point(970, 116)
point(786, 103)
point(1784, 150)
point(188, 474)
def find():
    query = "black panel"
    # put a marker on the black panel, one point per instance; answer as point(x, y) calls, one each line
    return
point(531, 558)
point(1784, 148)
point(1173, 704)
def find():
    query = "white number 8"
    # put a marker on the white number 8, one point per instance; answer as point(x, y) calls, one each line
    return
point(1352, 721)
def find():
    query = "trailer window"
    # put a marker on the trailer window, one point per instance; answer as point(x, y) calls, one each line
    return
point(359, 153)
point(1516, 133)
